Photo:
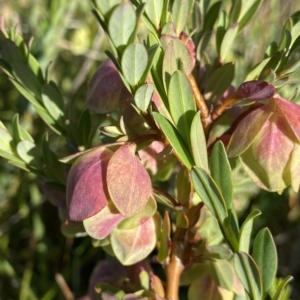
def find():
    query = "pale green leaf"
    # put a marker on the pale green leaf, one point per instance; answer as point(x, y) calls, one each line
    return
point(182, 104)
point(174, 139)
point(198, 143)
point(143, 96)
point(134, 62)
point(246, 230)
point(265, 255)
point(248, 274)
point(209, 193)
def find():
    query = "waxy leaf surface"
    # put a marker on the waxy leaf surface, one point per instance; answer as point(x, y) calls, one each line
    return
point(106, 89)
point(182, 104)
point(134, 62)
point(86, 184)
point(248, 274)
point(121, 24)
point(255, 90)
point(132, 245)
point(101, 224)
point(128, 182)
point(265, 255)
point(198, 143)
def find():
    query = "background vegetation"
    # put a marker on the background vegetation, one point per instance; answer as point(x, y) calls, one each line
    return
point(36, 260)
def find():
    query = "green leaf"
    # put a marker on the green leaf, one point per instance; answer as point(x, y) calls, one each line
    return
point(29, 153)
point(182, 104)
point(198, 143)
point(221, 172)
point(222, 273)
point(143, 96)
point(279, 293)
point(254, 73)
point(53, 102)
point(219, 81)
point(152, 50)
point(40, 109)
point(209, 193)
point(248, 274)
point(176, 53)
point(25, 76)
point(211, 16)
point(235, 11)
point(183, 186)
point(174, 139)
point(6, 139)
point(134, 63)
point(181, 10)
point(265, 255)
point(136, 220)
point(106, 6)
point(10, 52)
point(246, 230)
point(153, 10)
point(227, 42)
point(122, 24)
point(247, 16)
point(165, 240)
point(19, 133)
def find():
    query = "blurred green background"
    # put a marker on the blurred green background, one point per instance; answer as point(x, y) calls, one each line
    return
point(36, 260)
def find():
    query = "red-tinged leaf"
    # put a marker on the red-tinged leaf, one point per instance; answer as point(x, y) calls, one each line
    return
point(255, 90)
point(267, 160)
point(295, 170)
point(101, 224)
point(86, 184)
point(132, 245)
point(128, 182)
point(205, 287)
point(53, 192)
point(106, 89)
point(247, 130)
point(291, 112)
point(142, 216)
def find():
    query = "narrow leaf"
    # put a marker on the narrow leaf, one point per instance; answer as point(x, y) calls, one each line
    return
point(281, 288)
point(182, 104)
point(181, 11)
point(198, 143)
point(153, 10)
point(221, 172)
point(246, 230)
point(265, 255)
point(248, 274)
point(219, 81)
point(228, 39)
point(29, 153)
point(174, 139)
point(165, 240)
point(209, 193)
point(53, 101)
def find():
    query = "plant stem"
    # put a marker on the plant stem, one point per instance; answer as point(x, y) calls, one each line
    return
point(175, 266)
